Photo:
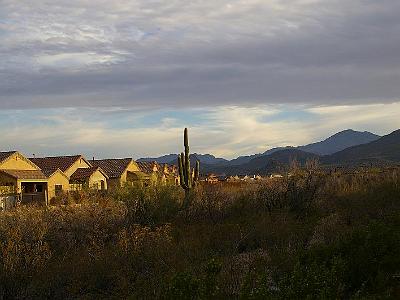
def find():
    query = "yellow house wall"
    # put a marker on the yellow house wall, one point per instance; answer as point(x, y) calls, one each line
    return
point(80, 163)
point(115, 183)
point(154, 178)
point(57, 179)
point(132, 167)
point(96, 178)
point(163, 179)
point(16, 162)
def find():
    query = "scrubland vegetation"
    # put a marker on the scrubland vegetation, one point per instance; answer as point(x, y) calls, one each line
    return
point(312, 235)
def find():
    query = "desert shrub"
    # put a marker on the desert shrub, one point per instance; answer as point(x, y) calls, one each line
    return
point(314, 281)
point(370, 256)
point(310, 235)
point(186, 285)
point(363, 264)
point(150, 205)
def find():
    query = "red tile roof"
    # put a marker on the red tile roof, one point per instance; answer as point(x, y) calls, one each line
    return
point(82, 174)
point(5, 155)
point(49, 173)
point(51, 164)
point(148, 167)
point(114, 168)
point(25, 174)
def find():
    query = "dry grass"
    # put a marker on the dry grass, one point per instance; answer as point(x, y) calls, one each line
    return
point(312, 235)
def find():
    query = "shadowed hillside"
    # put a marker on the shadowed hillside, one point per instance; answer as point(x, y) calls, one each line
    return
point(384, 150)
point(275, 162)
point(339, 141)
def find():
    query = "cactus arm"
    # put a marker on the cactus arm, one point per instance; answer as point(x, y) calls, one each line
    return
point(180, 166)
point(196, 171)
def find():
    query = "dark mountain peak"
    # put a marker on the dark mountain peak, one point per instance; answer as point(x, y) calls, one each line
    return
point(351, 132)
point(348, 131)
point(383, 150)
point(340, 141)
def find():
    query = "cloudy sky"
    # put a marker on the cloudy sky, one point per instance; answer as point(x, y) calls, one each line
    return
point(122, 78)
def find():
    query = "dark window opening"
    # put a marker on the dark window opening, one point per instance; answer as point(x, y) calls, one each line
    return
point(39, 188)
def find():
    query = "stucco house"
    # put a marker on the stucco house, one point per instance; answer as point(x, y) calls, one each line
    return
point(21, 181)
point(168, 174)
point(124, 171)
point(58, 182)
point(150, 171)
point(92, 178)
point(68, 166)
point(58, 170)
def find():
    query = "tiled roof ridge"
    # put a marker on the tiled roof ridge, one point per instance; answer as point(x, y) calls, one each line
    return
point(6, 154)
point(56, 156)
point(57, 162)
point(81, 173)
point(105, 159)
point(113, 167)
point(50, 172)
point(147, 166)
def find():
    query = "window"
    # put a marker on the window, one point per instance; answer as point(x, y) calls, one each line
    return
point(58, 189)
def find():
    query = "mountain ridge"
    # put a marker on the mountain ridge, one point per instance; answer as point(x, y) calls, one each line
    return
point(340, 141)
point(384, 150)
point(334, 143)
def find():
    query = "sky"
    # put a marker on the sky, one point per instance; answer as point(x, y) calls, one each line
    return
point(123, 78)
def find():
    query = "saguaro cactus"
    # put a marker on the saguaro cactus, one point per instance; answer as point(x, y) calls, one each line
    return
point(188, 176)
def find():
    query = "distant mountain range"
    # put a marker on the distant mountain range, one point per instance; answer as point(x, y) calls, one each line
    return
point(337, 142)
point(171, 158)
point(343, 148)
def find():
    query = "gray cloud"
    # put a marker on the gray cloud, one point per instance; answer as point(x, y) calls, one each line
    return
point(195, 53)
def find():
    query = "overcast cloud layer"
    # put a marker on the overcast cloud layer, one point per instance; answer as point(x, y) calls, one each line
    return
point(156, 53)
point(122, 78)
